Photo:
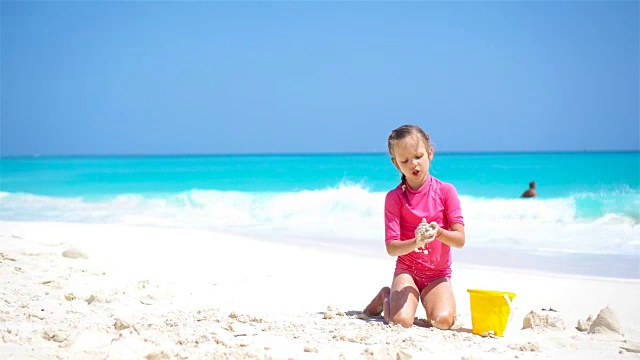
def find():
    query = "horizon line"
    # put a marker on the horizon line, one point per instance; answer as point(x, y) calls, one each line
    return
point(505, 152)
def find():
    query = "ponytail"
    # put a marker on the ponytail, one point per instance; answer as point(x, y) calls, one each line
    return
point(403, 132)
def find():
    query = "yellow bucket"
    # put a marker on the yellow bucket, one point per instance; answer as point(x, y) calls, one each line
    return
point(490, 311)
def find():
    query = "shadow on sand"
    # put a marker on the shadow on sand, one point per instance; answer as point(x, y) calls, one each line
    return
point(420, 322)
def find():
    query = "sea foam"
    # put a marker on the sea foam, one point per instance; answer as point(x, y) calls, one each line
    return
point(347, 214)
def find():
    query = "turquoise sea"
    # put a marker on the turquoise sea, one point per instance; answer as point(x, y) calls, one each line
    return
point(586, 217)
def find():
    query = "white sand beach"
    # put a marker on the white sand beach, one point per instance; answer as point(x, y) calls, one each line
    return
point(80, 291)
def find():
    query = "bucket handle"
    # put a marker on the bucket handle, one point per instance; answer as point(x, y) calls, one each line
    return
point(506, 297)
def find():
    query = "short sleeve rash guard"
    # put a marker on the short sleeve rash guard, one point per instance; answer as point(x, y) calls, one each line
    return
point(404, 210)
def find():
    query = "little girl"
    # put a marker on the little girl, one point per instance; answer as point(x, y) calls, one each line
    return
point(423, 267)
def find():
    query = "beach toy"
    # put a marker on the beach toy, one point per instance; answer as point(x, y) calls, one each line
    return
point(490, 311)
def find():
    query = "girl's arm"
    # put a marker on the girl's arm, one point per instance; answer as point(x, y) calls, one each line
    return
point(453, 237)
point(401, 247)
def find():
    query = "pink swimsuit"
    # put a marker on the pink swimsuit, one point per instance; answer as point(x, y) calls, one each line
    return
point(403, 211)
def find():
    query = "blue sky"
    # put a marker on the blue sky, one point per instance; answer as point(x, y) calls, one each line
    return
point(298, 77)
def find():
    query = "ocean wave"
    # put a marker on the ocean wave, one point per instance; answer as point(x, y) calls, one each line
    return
point(348, 213)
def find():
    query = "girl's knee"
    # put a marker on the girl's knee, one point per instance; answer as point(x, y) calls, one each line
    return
point(443, 321)
point(403, 320)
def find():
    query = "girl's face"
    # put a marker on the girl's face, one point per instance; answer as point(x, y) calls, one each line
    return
point(412, 157)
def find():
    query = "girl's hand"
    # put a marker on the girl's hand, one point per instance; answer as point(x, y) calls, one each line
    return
point(426, 233)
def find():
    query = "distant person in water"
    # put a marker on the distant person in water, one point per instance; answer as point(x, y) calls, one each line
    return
point(531, 191)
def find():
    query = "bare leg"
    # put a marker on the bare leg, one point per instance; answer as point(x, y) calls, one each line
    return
point(439, 303)
point(386, 310)
point(403, 300)
point(376, 306)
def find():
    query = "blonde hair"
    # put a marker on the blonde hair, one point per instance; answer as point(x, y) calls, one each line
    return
point(402, 133)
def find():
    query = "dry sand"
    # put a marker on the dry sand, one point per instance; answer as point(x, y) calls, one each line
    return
point(77, 291)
